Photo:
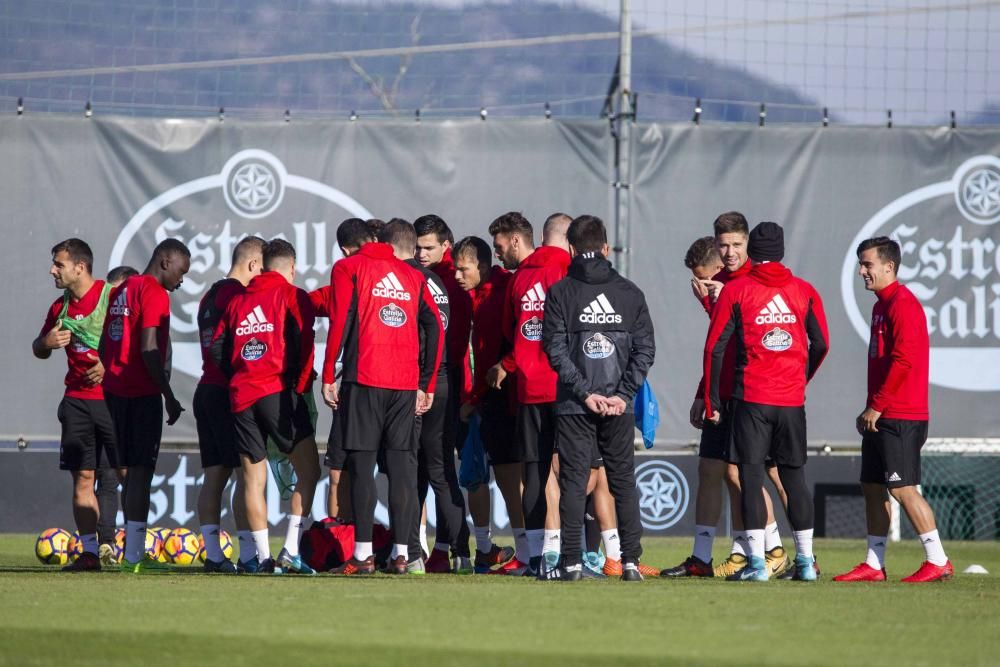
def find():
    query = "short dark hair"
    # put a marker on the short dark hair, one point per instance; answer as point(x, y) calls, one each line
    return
point(251, 245)
point(399, 232)
point(375, 225)
point(120, 273)
point(732, 222)
point(168, 247)
point(473, 246)
point(888, 250)
point(432, 224)
point(276, 250)
point(702, 253)
point(353, 233)
point(587, 234)
point(78, 251)
point(511, 223)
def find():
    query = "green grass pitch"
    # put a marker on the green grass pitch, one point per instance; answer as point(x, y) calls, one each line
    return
point(106, 619)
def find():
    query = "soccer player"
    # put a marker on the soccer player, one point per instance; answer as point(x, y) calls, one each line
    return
point(893, 425)
point(135, 347)
point(216, 429)
point(74, 322)
point(777, 320)
point(487, 285)
point(598, 336)
point(715, 261)
point(435, 456)
point(264, 343)
point(379, 308)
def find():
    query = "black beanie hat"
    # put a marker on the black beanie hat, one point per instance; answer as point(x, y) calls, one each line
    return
point(767, 242)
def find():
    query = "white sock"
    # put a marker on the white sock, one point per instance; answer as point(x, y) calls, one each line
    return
point(135, 540)
point(551, 541)
point(772, 538)
point(263, 546)
point(294, 534)
point(521, 551)
point(423, 538)
point(213, 548)
point(362, 550)
point(89, 543)
point(484, 540)
point(876, 552)
point(803, 542)
point(536, 538)
point(400, 550)
point(703, 538)
point(740, 545)
point(442, 546)
point(612, 547)
point(248, 549)
point(755, 539)
point(933, 549)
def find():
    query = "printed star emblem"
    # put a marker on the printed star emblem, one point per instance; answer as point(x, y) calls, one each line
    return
point(657, 493)
point(982, 193)
point(253, 186)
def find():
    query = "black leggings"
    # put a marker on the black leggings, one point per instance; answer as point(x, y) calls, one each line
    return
point(800, 504)
point(401, 469)
point(107, 502)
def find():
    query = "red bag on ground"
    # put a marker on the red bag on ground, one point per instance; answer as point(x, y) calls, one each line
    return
point(327, 544)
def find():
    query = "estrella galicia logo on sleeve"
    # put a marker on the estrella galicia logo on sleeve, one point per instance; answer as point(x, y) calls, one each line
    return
point(598, 346)
point(777, 340)
point(444, 320)
point(532, 329)
point(253, 349)
point(392, 316)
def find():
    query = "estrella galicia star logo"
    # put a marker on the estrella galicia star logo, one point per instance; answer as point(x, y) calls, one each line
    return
point(663, 494)
point(253, 186)
point(255, 182)
point(979, 194)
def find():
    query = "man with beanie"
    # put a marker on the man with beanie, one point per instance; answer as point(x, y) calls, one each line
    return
point(780, 328)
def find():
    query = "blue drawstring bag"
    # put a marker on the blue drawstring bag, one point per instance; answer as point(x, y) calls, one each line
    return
point(647, 414)
point(473, 469)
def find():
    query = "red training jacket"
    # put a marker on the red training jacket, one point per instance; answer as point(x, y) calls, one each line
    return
point(898, 355)
point(378, 305)
point(729, 358)
point(79, 357)
point(264, 340)
point(523, 314)
point(781, 338)
point(138, 303)
point(488, 341)
point(210, 311)
point(320, 299)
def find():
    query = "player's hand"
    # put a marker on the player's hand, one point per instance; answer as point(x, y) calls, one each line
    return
point(95, 374)
point(330, 396)
point(495, 376)
point(174, 410)
point(465, 412)
point(699, 289)
point(715, 418)
point(57, 337)
point(615, 406)
point(697, 413)
point(714, 288)
point(424, 402)
point(866, 421)
point(597, 404)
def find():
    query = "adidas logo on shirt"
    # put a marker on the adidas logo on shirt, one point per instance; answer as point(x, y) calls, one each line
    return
point(439, 296)
point(600, 312)
point(776, 312)
point(120, 306)
point(533, 299)
point(390, 288)
point(253, 323)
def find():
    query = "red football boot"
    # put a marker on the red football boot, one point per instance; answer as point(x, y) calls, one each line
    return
point(862, 572)
point(438, 563)
point(930, 572)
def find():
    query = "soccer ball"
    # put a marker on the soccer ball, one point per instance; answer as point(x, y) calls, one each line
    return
point(74, 548)
point(224, 539)
point(50, 547)
point(162, 533)
point(154, 546)
point(182, 547)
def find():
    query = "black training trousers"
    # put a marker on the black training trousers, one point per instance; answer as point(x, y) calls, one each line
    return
point(401, 469)
point(107, 503)
point(576, 436)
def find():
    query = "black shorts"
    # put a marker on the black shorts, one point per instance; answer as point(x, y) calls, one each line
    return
point(88, 435)
point(283, 417)
point(598, 434)
point(497, 428)
point(717, 439)
point(216, 430)
point(535, 432)
point(763, 431)
point(372, 418)
point(891, 456)
point(336, 455)
point(138, 424)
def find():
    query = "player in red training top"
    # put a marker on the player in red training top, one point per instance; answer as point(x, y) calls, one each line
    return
point(779, 326)
point(216, 430)
point(379, 308)
point(893, 426)
point(135, 350)
point(264, 343)
point(487, 285)
point(74, 323)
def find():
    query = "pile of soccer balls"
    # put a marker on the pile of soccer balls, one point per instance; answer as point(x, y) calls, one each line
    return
point(180, 546)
